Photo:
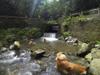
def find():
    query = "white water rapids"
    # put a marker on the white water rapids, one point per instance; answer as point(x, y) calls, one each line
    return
point(49, 37)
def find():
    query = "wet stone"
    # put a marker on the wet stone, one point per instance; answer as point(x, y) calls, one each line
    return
point(3, 49)
point(39, 54)
point(70, 40)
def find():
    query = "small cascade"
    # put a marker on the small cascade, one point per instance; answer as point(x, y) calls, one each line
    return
point(9, 57)
point(18, 65)
point(49, 37)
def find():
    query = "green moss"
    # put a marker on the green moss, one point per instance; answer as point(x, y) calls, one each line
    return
point(85, 28)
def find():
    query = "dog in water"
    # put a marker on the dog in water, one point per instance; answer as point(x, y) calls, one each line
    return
point(63, 64)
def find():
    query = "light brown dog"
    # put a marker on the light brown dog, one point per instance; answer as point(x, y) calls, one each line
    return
point(63, 64)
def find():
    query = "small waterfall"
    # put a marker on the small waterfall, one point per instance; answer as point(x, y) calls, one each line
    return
point(49, 37)
point(53, 35)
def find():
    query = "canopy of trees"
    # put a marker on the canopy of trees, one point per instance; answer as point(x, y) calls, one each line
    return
point(45, 8)
point(58, 8)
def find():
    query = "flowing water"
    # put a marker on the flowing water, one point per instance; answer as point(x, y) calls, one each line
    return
point(17, 65)
point(49, 37)
point(23, 65)
point(11, 64)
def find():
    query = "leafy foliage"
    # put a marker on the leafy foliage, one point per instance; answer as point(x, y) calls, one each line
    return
point(52, 10)
point(98, 42)
point(66, 34)
point(11, 34)
point(46, 9)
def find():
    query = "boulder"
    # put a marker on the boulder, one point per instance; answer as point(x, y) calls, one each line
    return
point(85, 49)
point(95, 53)
point(70, 40)
point(89, 57)
point(95, 67)
point(15, 46)
point(39, 53)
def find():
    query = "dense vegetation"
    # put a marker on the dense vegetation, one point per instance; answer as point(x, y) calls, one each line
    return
point(52, 10)
point(45, 8)
point(25, 22)
point(9, 35)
